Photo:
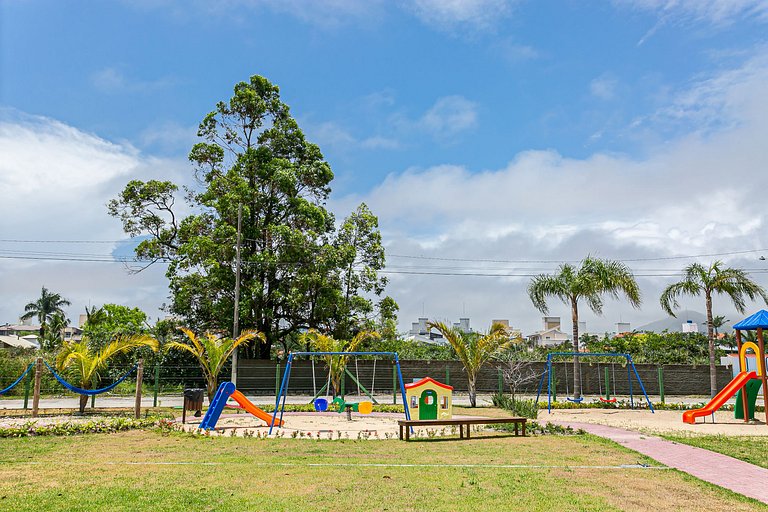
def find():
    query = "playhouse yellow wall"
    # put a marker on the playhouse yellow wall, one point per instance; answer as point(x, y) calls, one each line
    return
point(444, 400)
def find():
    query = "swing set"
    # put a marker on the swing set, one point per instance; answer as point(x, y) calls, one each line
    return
point(549, 377)
point(319, 406)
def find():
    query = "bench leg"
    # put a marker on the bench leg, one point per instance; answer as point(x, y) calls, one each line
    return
point(516, 433)
point(461, 431)
point(468, 427)
point(523, 429)
point(407, 433)
point(401, 432)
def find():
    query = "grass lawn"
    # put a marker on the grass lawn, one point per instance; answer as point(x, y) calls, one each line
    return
point(752, 449)
point(148, 470)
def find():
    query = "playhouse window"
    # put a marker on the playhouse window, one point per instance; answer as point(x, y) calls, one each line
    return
point(414, 402)
point(429, 400)
point(444, 403)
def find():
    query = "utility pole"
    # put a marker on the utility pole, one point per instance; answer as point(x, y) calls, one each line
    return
point(236, 321)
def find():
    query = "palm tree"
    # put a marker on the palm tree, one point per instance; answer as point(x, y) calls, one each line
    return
point(589, 281)
point(212, 352)
point(717, 322)
point(55, 333)
point(85, 365)
point(94, 316)
point(714, 279)
point(44, 308)
point(336, 364)
point(474, 350)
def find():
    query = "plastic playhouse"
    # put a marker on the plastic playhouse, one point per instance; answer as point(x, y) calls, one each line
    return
point(429, 399)
point(746, 380)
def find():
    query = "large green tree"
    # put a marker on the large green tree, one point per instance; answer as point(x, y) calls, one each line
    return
point(708, 281)
point(45, 308)
point(587, 282)
point(297, 272)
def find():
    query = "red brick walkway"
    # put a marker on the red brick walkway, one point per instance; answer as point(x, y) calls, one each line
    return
point(715, 468)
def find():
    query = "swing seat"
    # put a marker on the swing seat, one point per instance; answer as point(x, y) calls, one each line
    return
point(608, 400)
point(321, 404)
point(575, 400)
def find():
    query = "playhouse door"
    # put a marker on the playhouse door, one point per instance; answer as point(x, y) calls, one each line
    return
point(428, 405)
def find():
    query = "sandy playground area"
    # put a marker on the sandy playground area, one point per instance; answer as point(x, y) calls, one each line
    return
point(659, 422)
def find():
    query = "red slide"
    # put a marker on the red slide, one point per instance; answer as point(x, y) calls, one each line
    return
point(727, 392)
point(250, 408)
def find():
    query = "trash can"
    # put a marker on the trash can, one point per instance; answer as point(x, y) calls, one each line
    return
point(193, 401)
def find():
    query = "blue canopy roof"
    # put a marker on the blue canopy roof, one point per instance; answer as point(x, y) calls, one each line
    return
point(759, 319)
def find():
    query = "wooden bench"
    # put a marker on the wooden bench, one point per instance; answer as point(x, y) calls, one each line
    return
point(407, 424)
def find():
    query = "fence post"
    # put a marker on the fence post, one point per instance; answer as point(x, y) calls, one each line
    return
point(36, 396)
point(501, 381)
point(277, 379)
point(27, 385)
point(661, 384)
point(157, 383)
point(447, 374)
point(139, 378)
point(394, 385)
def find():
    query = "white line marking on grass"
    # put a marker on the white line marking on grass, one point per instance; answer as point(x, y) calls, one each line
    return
point(361, 465)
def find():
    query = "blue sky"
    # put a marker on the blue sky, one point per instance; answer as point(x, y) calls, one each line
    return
point(408, 100)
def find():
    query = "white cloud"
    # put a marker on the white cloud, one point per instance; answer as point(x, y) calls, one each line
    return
point(604, 87)
point(453, 14)
point(449, 116)
point(700, 193)
point(712, 11)
point(56, 181)
point(514, 53)
point(113, 80)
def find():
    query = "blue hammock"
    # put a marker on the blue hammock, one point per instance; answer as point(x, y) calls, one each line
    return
point(4, 391)
point(90, 392)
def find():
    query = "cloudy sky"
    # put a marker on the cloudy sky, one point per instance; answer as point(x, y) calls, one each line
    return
point(493, 138)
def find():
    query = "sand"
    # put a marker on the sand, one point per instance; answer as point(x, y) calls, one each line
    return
point(660, 422)
point(377, 425)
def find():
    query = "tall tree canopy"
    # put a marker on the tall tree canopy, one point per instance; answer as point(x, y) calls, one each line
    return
point(45, 308)
point(588, 282)
point(297, 271)
point(708, 281)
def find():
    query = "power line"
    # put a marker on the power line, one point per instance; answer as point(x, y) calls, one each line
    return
point(661, 258)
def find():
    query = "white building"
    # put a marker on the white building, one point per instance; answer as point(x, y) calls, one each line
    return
point(551, 335)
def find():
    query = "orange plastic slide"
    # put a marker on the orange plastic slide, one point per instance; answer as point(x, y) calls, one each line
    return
point(252, 409)
point(727, 392)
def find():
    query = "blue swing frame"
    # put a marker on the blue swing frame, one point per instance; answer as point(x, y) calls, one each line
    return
point(630, 369)
point(281, 397)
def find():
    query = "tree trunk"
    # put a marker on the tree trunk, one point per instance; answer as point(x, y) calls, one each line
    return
point(576, 363)
point(83, 403)
point(472, 391)
point(711, 336)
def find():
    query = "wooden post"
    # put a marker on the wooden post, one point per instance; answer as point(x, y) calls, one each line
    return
point(761, 355)
point(139, 377)
point(36, 395)
point(744, 401)
point(93, 401)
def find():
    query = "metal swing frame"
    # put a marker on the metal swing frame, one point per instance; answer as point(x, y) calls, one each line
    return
point(548, 375)
point(281, 397)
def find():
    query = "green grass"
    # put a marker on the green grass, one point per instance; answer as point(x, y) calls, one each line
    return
point(149, 470)
point(752, 449)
